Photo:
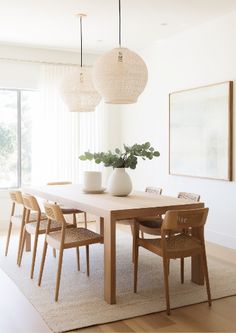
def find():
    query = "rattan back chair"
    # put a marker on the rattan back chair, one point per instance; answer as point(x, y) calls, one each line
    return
point(151, 225)
point(65, 239)
point(182, 235)
point(36, 227)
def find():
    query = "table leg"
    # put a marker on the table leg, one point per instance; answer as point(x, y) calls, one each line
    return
point(100, 225)
point(28, 242)
point(110, 260)
point(196, 269)
point(197, 273)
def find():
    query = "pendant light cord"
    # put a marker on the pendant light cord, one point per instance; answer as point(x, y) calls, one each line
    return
point(120, 23)
point(81, 43)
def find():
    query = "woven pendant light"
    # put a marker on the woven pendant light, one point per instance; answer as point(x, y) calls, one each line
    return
point(77, 89)
point(120, 75)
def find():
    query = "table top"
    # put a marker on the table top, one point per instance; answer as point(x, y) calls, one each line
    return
point(134, 205)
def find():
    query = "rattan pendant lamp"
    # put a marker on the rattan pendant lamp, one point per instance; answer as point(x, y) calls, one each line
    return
point(77, 89)
point(120, 75)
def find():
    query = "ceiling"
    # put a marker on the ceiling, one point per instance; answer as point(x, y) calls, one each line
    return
point(53, 24)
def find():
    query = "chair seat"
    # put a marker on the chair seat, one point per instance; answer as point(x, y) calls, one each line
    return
point(177, 246)
point(73, 238)
point(150, 224)
point(31, 226)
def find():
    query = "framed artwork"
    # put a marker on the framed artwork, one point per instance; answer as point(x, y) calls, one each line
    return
point(200, 132)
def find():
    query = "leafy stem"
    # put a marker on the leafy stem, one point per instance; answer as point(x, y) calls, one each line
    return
point(119, 159)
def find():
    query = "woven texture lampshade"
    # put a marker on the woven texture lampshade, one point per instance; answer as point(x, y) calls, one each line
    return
point(120, 76)
point(78, 91)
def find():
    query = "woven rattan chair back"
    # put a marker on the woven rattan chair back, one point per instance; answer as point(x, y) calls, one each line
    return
point(54, 213)
point(31, 203)
point(154, 190)
point(190, 196)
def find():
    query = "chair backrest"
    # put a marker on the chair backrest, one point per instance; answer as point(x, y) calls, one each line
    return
point(184, 219)
point(190, 196)
point(154, 190)
point(16, 197)
point(53, 212)
point(31, 203)
point(60, 183)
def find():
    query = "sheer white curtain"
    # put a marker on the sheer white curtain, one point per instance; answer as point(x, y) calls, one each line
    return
point(60, 136)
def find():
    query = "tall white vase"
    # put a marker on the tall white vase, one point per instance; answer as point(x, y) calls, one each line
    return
point(119, 183)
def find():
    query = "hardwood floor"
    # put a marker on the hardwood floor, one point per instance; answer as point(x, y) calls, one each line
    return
point(17, 315)
point(196, 318)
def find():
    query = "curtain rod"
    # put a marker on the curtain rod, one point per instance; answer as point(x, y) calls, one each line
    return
point(38, 62)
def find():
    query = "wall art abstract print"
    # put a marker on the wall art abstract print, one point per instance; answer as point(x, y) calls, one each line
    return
point(200, 132)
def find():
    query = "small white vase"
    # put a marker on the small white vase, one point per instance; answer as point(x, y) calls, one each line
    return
point(119, 183)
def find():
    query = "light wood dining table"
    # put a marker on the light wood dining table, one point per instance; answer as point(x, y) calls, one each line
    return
point(111, 209)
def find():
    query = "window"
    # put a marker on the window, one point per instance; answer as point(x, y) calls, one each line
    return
point(16, 111)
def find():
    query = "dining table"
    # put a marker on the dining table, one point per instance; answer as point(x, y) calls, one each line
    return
point(109, 210)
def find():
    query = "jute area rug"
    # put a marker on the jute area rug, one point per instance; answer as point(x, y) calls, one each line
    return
point(81, 301)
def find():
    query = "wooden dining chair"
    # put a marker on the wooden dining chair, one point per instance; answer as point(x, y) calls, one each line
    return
point(70, 211)
point(17, 217)
point(174, 245)
point(64, 239)
point(35, 228)
point(151, 225)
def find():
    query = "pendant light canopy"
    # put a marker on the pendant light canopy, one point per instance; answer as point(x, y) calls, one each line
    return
point(120, 75)
point(77, 89)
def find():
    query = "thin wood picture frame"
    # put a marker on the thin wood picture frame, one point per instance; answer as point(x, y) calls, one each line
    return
point(201, 131)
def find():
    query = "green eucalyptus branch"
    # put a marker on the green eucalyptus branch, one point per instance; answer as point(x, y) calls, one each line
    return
point(119, 159)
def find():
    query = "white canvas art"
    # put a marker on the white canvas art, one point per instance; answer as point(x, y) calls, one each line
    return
point(200, 132)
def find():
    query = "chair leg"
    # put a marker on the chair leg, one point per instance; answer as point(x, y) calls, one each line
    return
point(85, 220)
point(58, 274)
point(8, 238)
point(182, 269)
point(205, 270)
point(133, 242)
point(78, 258)
point(87, 259)
point(168, 266)
point(165, 269)
point(22, 247)
point(28, 242)
point(20, 240)
point(54, 253)
point(74, 219)
point(136, 255)
point(42, 262)
point(34, 256)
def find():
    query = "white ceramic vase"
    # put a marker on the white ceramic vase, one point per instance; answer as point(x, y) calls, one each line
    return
point(119, 183)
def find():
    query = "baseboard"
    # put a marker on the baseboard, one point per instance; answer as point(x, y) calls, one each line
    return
point(220, 238)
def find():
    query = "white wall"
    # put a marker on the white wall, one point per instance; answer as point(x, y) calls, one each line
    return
point(203, 55)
